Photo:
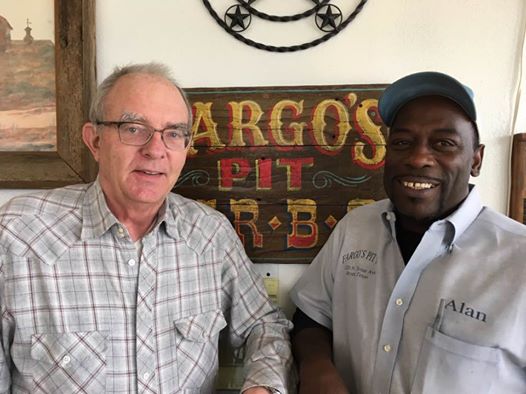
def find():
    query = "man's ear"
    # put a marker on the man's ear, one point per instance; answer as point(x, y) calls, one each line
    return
point(478, 155)
point(91, 138)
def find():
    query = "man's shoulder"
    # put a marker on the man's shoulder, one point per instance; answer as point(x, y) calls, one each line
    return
point(497, 221)
point(366, 213)
point(44, 203)
point(40, 220)
point(199, 223)
point(192, 209)
point(362, 222)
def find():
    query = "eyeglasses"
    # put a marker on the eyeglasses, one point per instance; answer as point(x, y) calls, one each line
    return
point(138, 134)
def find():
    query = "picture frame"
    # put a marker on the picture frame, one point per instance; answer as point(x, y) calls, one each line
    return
point(75, 72)
point(517, 208)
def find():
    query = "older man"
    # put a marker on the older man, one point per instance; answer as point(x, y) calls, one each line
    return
point(424, 292)
point(120, 286)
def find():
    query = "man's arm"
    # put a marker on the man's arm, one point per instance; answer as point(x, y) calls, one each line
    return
point(312, 348)
point(258, 325)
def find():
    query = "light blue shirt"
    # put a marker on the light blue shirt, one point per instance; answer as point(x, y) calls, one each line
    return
point(452, 321)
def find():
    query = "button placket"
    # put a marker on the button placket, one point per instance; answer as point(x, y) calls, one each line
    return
point(145, 324)
point(429, 248)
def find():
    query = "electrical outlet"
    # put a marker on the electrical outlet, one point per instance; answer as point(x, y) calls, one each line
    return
point(267, 270)
point(270, 273)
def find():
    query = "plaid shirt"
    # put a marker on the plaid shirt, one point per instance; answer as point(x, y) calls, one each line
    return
point(82, 312)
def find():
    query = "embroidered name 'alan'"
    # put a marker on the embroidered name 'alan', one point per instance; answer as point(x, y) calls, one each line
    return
point(466, 310)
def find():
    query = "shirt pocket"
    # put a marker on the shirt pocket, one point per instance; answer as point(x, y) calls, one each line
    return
point(449, 365)
point(197, 348)
point(69, 362)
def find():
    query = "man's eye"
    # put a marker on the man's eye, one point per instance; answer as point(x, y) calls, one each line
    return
point(133, 128)
point(445, 144)
point(174, 134)
point(399, 143)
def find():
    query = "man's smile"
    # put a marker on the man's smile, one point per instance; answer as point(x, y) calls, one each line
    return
point(418, 185)
point(150, 172)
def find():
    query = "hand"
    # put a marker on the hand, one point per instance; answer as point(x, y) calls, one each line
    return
point(256, 390)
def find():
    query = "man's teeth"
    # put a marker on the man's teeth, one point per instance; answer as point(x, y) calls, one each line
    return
point(418, 185)
point(151, 173)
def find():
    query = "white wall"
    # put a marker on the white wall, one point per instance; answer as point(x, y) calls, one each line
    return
point(478, 42)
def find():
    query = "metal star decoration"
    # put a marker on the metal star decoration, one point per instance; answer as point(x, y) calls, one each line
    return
point(237, 18)
point(328, 18)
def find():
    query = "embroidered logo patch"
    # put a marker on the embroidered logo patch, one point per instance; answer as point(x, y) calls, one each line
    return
point(359, 263)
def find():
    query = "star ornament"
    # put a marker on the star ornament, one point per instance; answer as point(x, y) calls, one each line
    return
point(328, 18)
point(235, 18)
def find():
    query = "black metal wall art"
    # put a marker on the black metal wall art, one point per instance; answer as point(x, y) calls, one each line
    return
point(327, 17)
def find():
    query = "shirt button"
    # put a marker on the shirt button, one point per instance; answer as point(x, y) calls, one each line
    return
point(120, 231)
point(387, 348)
point(66, 360)
point(146, 375)
point(131, 262)
point(399, 301)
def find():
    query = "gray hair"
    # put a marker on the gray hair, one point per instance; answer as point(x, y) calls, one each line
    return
point(155, 69)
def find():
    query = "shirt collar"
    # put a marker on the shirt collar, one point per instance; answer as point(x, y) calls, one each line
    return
point(466, 213)
point(98, 218)
point(458, 221)
point(172, 216)
point(189, 221)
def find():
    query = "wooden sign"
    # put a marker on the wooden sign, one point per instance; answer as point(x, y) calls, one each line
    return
point(518, 178)
point(285, 164)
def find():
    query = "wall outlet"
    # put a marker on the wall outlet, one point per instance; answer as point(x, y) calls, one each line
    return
point(270, 274)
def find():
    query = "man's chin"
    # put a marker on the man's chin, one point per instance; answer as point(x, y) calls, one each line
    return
point(147, 196)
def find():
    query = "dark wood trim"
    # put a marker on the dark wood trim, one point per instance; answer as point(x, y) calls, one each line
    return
point(518, 178)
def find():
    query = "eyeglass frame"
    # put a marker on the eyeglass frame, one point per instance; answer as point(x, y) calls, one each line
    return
point(119, 123)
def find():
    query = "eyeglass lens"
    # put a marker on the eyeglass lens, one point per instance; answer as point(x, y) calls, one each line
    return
point(139, 134)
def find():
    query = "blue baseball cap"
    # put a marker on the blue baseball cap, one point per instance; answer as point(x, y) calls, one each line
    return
point(428, 83)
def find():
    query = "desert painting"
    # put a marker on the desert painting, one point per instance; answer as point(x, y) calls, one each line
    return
point(27, 76)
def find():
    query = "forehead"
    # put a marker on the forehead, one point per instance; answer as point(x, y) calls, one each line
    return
point(148, 96)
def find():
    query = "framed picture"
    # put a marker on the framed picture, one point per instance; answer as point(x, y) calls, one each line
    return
point(75, 74)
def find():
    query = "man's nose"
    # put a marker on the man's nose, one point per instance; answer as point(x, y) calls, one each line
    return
point(421, 156)
point(155, 147)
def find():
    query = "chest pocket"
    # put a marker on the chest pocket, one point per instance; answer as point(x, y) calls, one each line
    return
point(69, 362)
point(197, 348)
point(448, 365)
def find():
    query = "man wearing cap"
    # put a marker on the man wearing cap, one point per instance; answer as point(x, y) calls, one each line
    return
point(422, 292)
